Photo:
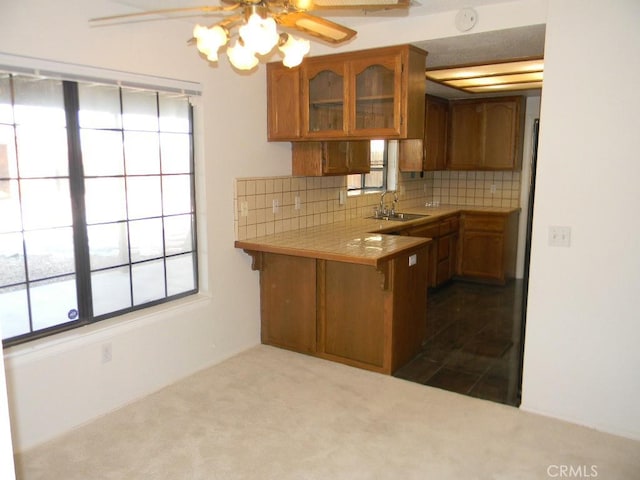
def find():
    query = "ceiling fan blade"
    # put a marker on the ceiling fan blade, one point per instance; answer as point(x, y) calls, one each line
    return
point(352, 4)
point(318, 27)
point(165, 11)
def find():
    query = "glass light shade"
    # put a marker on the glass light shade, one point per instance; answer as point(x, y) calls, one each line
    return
point(209, 40)
point(241, 57)
point(259, 34)
point(294, 51)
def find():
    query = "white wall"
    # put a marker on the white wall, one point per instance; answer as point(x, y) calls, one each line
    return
point(7, 471)
point(59, 383)
point(581, 348)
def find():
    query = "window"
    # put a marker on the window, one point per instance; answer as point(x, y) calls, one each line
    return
point(97, 202)
point(381, 176)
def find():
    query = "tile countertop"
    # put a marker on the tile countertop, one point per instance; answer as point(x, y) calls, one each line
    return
point(363, 241)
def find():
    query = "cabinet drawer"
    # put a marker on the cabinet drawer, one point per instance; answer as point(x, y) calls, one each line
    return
point(448, 226)
point(484, 223)
point(426, 231)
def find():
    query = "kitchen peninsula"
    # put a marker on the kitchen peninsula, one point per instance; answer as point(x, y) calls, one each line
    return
point(353, 291)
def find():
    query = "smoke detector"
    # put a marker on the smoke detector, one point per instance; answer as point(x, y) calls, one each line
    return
point(466, 19)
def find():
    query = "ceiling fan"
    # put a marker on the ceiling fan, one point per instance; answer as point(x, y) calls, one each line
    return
point(253, 24)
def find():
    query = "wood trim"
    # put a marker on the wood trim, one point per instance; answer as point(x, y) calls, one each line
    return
point(256, 259)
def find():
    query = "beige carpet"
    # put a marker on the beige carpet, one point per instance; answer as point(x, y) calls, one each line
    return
point(273, 414)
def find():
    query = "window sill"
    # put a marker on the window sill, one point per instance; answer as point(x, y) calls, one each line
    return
point(100, 331)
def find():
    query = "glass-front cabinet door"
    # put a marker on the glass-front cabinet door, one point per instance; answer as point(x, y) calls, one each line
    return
point(377, 93)
point(324, 96)
point(375, 89)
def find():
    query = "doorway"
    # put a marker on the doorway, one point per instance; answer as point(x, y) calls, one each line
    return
point(475, 344)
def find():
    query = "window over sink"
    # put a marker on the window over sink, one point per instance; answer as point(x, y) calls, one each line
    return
point(383, 173)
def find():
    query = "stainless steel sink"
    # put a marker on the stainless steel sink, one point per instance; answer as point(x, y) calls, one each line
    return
point(400, 217)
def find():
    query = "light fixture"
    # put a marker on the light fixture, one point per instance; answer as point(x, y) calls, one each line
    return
point(293, 50)
point(249, 28)
point(257, 34)
point(503, 76)
point(209, 40)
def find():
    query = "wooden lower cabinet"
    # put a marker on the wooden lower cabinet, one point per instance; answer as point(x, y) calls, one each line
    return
point(359, 315)
point(351, 330)
point(488, 244)
point(444, 247)
point(288, 302)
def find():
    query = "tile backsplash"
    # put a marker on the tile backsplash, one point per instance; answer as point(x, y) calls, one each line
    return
point(484, 189)
point(308, 201)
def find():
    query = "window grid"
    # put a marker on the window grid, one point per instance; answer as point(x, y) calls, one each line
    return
point(376, 179)
point(171, 259)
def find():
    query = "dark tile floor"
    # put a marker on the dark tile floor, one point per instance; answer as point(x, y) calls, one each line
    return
point(474, 344)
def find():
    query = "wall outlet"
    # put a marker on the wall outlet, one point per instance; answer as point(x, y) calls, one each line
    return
point(559, 236)
point(106, 353)
point(244, 209)
point(297, 202)
point(276, 205)
point(493, 188)
point(342, 197)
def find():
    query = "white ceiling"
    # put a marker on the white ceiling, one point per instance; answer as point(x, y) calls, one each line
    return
point(418, 7)
point(485, 47)
point(461, 50)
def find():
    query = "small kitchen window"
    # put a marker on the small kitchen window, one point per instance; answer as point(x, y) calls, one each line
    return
point(382, 175)
point(97, 195)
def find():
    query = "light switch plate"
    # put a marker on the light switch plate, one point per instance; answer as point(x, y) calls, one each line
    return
point(559, 236)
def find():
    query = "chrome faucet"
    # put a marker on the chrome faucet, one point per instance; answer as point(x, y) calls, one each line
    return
point(395, 203)
point(383, 209)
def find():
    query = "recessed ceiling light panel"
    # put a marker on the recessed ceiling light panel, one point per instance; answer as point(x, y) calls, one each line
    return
point(469, 78)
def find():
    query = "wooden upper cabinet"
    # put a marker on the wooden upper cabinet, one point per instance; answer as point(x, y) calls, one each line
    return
point(356, 95)
point(311, 159)
point(486, 134)
point(324, 93)
point(503, 130)
point(435, 133)
point(375, 96)
point(465, 136)
point(428, 153)
point(283, 102)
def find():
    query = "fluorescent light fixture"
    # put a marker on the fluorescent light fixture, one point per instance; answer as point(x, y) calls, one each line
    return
point(516, 75)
